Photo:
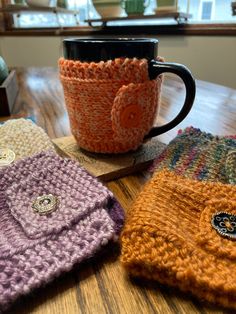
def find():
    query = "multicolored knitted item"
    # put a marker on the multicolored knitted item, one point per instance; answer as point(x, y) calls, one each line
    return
point(24, 138)
point(182, 232)
point(53, 214)
point(111, 105)
point(200, 155)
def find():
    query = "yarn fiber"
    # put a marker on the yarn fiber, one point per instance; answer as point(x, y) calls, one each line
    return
point(168, 237)
point(34, 248)
point(24, 138)
point(200, 155)
point(111, 105)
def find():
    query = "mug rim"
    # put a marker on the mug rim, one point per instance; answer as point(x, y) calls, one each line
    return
point(112, 40)
point(104, 49)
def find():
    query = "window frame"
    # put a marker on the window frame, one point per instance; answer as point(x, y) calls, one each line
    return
point(209, 29)
point(228, 29)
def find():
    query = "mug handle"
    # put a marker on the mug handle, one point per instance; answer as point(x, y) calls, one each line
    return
point(156, 68)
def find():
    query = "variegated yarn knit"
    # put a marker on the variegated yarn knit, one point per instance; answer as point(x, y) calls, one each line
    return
point(111, 105)
point(169, 237)
point(200, 155)
point(36, 248)
point(24, 138)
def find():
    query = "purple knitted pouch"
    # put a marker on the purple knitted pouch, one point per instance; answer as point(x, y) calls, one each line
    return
point(53, 214)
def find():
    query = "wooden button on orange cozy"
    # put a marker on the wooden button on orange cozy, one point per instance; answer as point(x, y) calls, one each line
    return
point(131, 116)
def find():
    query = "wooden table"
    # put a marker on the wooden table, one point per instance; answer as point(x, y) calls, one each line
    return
point(101, 285)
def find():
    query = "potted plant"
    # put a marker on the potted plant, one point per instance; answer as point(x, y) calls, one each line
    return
point(167, 5)
point(62, 4)
point(108, 8)
point(135, 7)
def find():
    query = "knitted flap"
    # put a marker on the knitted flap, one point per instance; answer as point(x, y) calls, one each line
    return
point(134, 110)
point(77, 193)
point(208, 237)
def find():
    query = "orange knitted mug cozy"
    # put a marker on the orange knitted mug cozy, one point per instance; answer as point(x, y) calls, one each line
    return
point(111, 105)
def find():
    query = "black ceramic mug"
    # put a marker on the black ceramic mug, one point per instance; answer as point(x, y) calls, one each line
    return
point(96, 50)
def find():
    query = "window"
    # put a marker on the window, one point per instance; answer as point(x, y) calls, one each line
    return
point(212, 11)
point(202, 11)
point(206, 10)
point(43, 19)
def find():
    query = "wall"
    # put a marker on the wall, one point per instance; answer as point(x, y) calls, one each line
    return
point(210, 58)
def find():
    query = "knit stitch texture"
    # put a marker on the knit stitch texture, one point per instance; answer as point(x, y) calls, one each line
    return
point(200, 155)
point(111, 105)
point(24, 138)
point(34, 248)
point(168, 237)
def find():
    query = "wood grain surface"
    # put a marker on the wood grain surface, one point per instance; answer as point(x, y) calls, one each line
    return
point(100, 285)
point(109, 167)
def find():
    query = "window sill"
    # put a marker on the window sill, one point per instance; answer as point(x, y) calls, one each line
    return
point(185, 29)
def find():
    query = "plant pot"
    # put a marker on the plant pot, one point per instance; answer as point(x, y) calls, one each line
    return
point(166, 5)
point(134, 7)
point(62, 4)
point(41, 3)
point(108, 8)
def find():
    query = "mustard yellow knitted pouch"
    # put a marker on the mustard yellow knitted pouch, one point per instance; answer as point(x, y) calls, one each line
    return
point(182, 232)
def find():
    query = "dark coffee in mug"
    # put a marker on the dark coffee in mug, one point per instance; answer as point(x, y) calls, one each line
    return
point(112, 91)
